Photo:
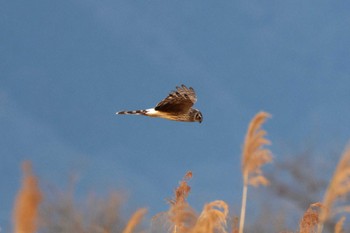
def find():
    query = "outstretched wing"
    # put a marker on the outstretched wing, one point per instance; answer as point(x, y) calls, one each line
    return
point(178, 101)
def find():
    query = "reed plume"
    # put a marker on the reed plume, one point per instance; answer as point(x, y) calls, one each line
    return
point(185, 219)
point(180, 218)
point(339, 187)
point(181, 214)
point(338, 228)
point(182, 191)
point(308, 223)
point(212, 219)
point(135, 220)
point(25, 214)
point(253, 157)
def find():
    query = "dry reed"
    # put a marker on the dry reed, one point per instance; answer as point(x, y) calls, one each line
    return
point(253, 157)
point(212, 219)
point(135, 220)
point(183, 219)
point(309, 221)
point(182, 191)
point(25, 214)
point(338, 228)
point(339, 187)
point(235, 225)
point(181, 214)
point(180, 218)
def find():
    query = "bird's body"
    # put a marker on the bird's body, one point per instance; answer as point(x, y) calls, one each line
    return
point(177, 106)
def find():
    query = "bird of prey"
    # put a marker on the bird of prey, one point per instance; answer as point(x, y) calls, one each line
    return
point(177, 106)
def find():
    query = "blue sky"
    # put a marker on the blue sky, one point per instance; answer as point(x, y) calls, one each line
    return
point(66, 67)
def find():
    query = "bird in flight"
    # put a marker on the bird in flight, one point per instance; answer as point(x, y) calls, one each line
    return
point(177, 106)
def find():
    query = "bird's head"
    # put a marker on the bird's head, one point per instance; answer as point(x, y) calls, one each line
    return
point(198, 116)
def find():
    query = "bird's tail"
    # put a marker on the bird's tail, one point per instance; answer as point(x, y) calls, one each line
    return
point(135, 112)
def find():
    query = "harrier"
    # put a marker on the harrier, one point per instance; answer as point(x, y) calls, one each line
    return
point(177, 106)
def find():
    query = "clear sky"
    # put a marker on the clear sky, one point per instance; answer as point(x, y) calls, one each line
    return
point(67, 66)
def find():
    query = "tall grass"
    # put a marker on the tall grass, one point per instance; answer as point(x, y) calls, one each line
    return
point(25, 213)
point(338, 188)
point(309, 221)
point(181, 214)
point(253, 157)
point(183, 218)
point(213, 218)
point(135, 220)
point(339, 225)
point(59, 213)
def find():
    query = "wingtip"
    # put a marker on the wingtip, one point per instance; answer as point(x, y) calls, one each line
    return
point(183, 86)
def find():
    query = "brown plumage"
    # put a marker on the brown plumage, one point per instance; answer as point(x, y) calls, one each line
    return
point(177, 106)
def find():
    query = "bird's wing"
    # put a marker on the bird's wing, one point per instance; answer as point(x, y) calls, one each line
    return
point(179, 101)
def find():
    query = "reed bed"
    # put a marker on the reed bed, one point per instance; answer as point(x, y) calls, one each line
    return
point(60, 214)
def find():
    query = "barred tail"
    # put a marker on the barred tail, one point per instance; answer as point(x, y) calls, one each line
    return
point(136, 112)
